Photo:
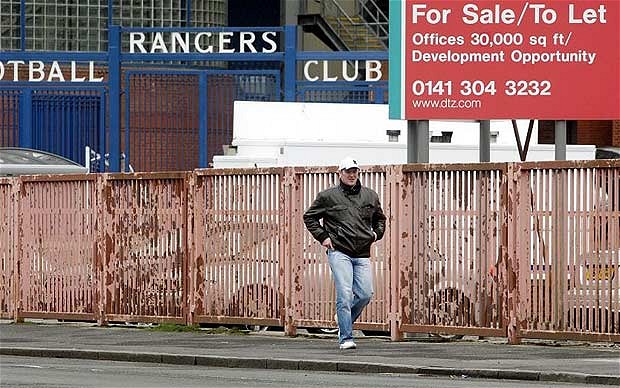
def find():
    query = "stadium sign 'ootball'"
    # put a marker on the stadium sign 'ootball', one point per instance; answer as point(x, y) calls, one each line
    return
point(39, 71)
point(510, 59)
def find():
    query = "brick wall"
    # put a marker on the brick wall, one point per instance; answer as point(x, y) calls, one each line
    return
point(597, 132)
point(546, 133)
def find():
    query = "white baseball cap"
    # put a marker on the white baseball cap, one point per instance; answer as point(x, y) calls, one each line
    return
point(348, 163)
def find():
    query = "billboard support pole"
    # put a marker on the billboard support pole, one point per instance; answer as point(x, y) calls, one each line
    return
point(485, 141)
point(560, 139)
point(417, 141)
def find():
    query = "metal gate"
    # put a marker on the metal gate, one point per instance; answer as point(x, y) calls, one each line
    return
point(162, 123)
point(64, 121)
point(178, 120)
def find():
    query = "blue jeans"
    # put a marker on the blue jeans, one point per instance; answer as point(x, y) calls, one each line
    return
point(353, 281)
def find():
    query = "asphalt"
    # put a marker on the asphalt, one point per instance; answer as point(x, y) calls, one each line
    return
point(554, 361)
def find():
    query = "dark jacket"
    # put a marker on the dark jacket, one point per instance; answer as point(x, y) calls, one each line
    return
point(350, 216)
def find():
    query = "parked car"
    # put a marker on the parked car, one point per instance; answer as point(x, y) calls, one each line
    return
point(607, 153)
point(24, 161)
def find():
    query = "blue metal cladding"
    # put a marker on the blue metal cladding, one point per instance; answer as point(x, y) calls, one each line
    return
point(66, 122)
point(9, 117)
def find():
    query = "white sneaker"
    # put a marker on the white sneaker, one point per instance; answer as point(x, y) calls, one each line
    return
point(336, 319)
point(348, 344)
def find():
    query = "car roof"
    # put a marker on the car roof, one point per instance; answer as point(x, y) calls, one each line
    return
point(25, 161)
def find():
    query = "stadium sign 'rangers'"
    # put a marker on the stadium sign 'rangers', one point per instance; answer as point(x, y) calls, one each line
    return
point(203, 42)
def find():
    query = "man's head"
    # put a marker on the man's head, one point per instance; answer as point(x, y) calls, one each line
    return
point(349, 171)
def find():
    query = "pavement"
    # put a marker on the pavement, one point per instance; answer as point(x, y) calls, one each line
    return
point(553, 361)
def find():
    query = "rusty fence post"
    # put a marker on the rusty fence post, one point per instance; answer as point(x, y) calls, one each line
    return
point(504, 249)
point(523, 236)
point(411, 233)
point(201, 194)
point(514, 208)
point(189, 248)
point(508, 250)
point(394, 178)
point(289, 229)
point(98, 249)
point(105, 245)
point(290, 236)
point(558, 279)
point(16, 201)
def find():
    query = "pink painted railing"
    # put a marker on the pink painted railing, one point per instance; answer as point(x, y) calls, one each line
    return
point(237, 264)
point(55, 228)
point(507, 249)
point(569, 244)
point(144, 261)
point(449, 223)
point(7, 247)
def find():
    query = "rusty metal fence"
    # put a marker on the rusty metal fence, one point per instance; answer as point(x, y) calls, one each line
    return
point(56, 239)
point(237, 263)
point(450, 221)
point(145, 251)
point(506, 249)
point(568, 241)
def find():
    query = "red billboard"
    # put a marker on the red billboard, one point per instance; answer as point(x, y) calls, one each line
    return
point(553, 60)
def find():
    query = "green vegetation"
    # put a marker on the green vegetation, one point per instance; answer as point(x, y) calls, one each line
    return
point(170, 327)
point(226, 330)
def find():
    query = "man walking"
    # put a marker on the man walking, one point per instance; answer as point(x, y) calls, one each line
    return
point(352, 221)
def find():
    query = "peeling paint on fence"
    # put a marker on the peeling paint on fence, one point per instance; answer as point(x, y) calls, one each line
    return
point(145, 232)
point(573, 254)
point(57, 255)
point(449, 267)
point(238, 223)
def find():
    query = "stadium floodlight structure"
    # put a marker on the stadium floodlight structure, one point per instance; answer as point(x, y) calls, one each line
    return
point(82, 25)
